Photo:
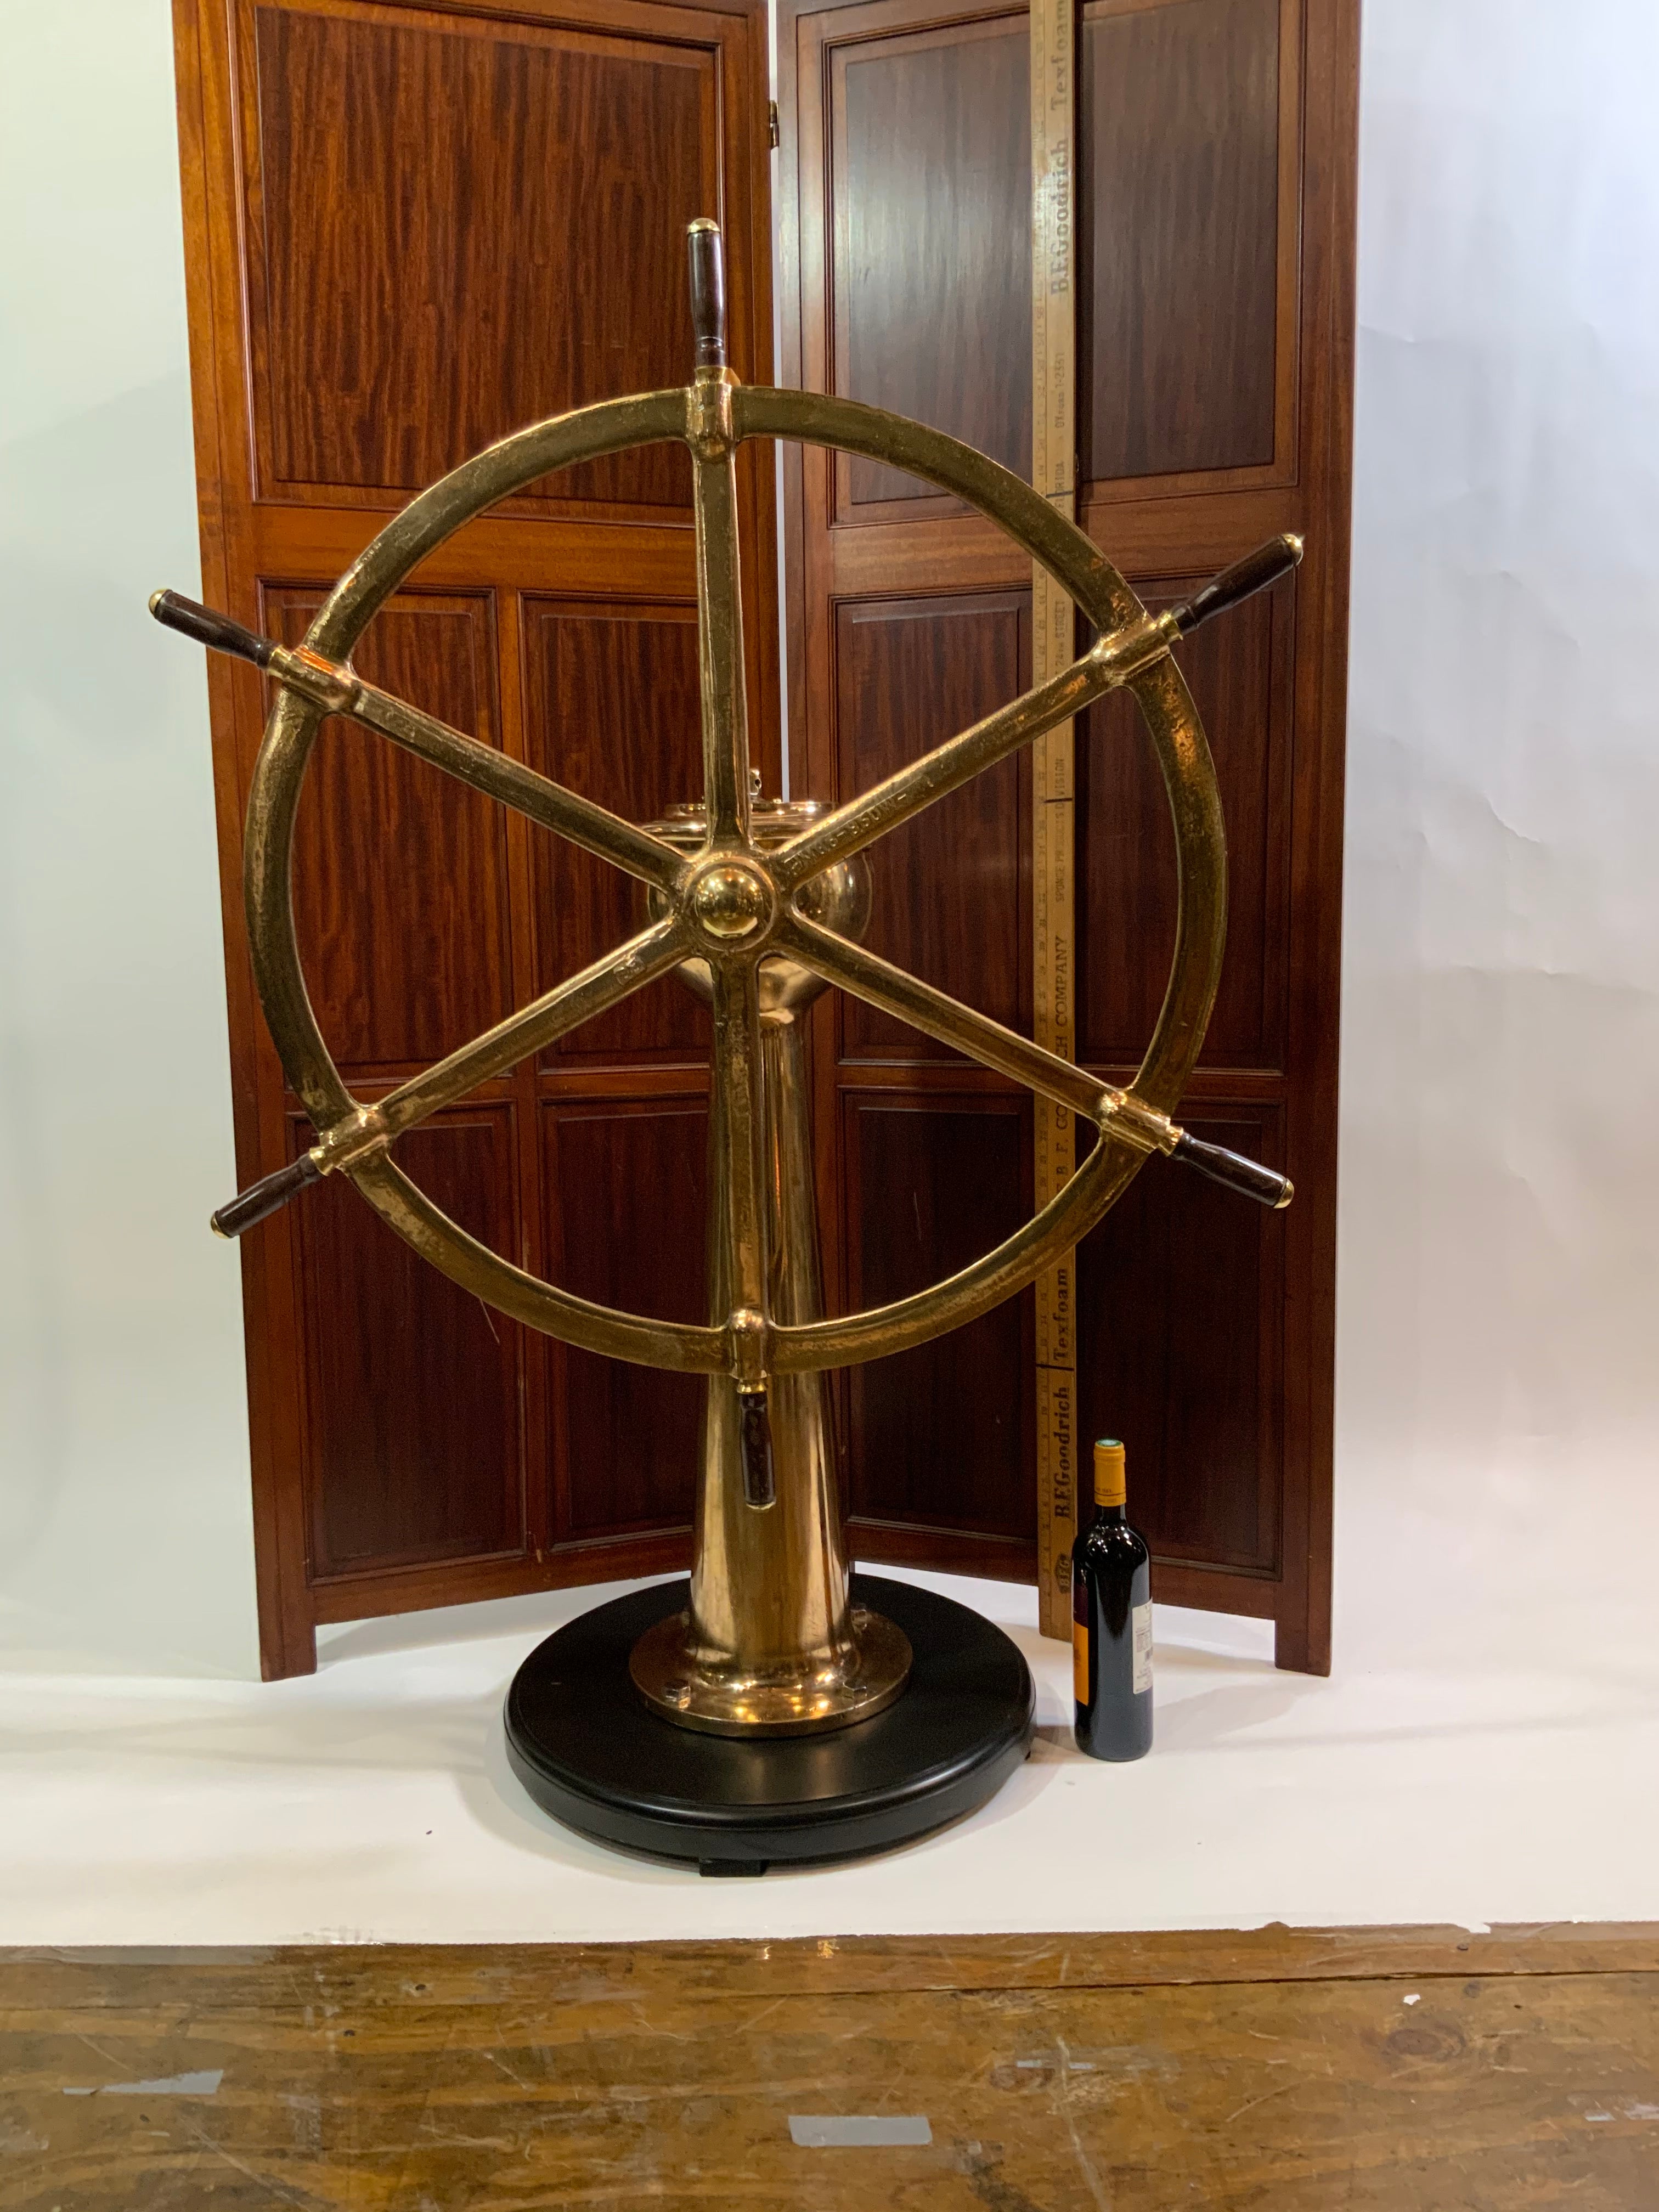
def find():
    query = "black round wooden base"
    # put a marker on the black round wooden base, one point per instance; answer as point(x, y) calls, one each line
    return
point(585, 1747)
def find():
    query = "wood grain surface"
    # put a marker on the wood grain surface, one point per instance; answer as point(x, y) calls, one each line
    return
point(631, 1219)
point(1179, 127)
point(1393, 2070)
point(412, 1389)
point(932, 250)
point(1239, 674)
point(1191, 1356)
point(400, 899)
point(949, 890)
point(612, 710)
point(942, 1436)
point(449, 220)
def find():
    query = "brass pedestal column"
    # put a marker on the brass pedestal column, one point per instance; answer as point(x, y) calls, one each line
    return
point(769, 1645)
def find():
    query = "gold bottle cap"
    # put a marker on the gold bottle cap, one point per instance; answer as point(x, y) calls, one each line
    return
point(1109, 1487)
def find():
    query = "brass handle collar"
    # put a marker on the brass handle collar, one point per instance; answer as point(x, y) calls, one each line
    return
point(1123, 1115)
point(748, 1335)
point(326, 683)
point(749, 1342)
point(1122, 653)
point(348, 1143)
point(710, 430)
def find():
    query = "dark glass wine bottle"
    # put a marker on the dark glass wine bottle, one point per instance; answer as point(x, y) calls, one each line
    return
point(1112, 1622)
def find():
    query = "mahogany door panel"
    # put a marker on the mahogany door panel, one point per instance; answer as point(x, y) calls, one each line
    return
point(940, 1438)
point(1214, 170)
point(400, 977)
point(626, 1187)
point(611, 709)
point(414, 1439)
point(951, 888)
point(931, 301)
point(1180, 1347)
point(412, 226)
point(1240, 673)
point(1189, 132)
point(452, 232)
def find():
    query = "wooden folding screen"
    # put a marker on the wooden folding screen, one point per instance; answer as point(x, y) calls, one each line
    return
point(1215, 164)
point(411, 229)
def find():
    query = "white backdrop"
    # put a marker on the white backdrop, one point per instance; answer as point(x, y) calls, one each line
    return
point(1497, 1300)
point(125, 1532)
point(1499, 1303)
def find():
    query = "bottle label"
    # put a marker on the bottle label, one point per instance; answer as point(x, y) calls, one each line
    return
point(1141, 1622)
point(1080, 1661)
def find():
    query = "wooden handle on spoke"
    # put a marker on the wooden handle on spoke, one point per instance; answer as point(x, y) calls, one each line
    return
point(1233, 1172)
point(219, 633)
point(706, 253)
point(760, 1486)
point(269, 1195)
point(1253, 574)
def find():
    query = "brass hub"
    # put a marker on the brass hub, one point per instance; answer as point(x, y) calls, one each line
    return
point(731, 900)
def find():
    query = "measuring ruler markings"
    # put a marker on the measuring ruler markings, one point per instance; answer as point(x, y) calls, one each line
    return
point(1054, 472)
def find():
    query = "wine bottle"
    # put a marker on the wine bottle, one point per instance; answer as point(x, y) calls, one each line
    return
point(1112, 1622)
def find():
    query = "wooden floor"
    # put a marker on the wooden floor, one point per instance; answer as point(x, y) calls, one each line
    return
point(1280, 2070)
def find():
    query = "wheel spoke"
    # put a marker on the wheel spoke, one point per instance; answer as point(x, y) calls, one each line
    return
point(583, 821)
point(577, 1000)
point(720, 649)
point(738, 1149)
point(908, 790)
point(880, 984)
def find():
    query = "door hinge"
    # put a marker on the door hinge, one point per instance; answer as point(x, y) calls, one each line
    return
point(773, 136)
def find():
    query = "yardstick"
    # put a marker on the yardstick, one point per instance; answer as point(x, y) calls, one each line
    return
point(1054, 472)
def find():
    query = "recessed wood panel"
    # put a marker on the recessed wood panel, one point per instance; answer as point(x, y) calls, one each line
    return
point(460, 225)
point(951, 887)
point(1240, 673)
point(941, 1436)
point(411, 1388)
point(627, 1188)
point(1180, 1349)
point(1178, 127)
point(931, 187)
point(611, 709)
point(399, 872)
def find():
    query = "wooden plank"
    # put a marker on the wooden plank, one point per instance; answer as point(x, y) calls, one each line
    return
point(632, 2081)
point(609, 560)
point(565, 1565)
point(1189, 536)
point(233, 1979)
point(1054, 932)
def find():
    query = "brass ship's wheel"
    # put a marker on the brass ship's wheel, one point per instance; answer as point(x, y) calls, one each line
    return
point(772, 1641)
point(730, 904)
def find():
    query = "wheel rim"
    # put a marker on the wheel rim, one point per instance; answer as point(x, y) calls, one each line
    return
point(1167, 712)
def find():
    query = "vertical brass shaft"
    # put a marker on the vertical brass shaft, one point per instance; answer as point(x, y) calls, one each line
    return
point(769, 1645)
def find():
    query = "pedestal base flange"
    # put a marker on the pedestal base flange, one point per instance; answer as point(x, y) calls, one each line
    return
point(694, 1687)
point(587, 1749)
